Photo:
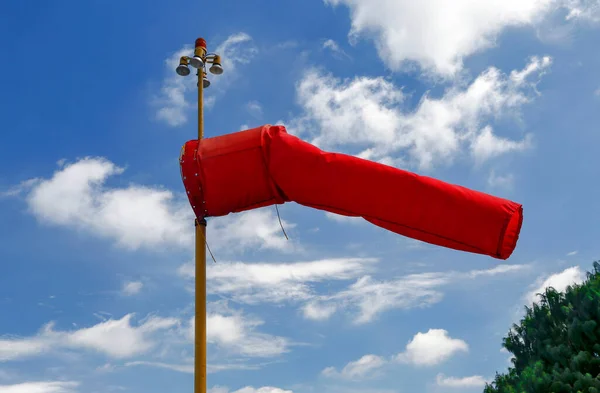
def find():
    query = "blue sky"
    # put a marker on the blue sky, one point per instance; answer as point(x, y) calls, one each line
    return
point(96, 242)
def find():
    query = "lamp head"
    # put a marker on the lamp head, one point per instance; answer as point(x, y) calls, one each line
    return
point(205, 82)
point(183, 69)
point(216, 67)
point(197, 62)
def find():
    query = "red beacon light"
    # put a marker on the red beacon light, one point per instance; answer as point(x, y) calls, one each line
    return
point(201, 43)
point(200, 51)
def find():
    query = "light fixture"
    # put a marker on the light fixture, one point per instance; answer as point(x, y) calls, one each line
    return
point(200, 43)
point(199, 61)
point(216, 67)
point(196, 62)
point(183, 69)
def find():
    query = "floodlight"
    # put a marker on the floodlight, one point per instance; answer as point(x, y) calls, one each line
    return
point(216, 67)
point(196, 62)
point(183, 69)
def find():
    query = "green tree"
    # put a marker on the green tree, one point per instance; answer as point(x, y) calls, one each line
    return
point(556, 346)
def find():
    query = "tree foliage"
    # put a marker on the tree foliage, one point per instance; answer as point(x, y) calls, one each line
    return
point(556, 346)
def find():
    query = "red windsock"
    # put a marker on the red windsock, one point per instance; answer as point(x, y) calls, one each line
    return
point(265, 166)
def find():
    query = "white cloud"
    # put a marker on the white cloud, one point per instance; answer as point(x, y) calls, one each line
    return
point(349, 388)
point(218, 389)
point(132, 288)
point(188, 368)
point(113, 338)
point(106, 368)
point(277, 282)
point(475, 381)
point(588, 10)
point(537, 66)
point(117, 338)
point(223, 329)
point(438, 35)
point(344, 219)
point(249, 389)
point(366, 115)
point(425, 349)
point(172, 104)
point(366, 366)
point(431, 348)
point(362, 110)
point(182, 368)
point(237, 334)
point(15, 348)
point(177, 95)
point(250, 229)
point(265, 389)
point(318, 312)
point(558, 281)
point(134, 216)
point(254, 283)
point(239, 232)
point(501, 181)
point(369, 297)
point(236, 50)
point(487, 145)
point(254, 109)
point(40, 387)
point(335, 49)
point(572, 253)
point(20, 188)
point(499, 269)
point(187, 270)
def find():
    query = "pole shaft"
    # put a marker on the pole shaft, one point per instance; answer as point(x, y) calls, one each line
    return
point(200, 385)
point(200, 105)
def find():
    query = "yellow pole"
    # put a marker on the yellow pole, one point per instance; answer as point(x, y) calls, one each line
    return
point(200, 256)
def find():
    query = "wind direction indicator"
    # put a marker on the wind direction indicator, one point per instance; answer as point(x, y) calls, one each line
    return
point(266, 166)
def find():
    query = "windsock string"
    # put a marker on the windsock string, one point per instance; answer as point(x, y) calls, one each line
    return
point(210, 252)
point(208, 248)
point(280, 224)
